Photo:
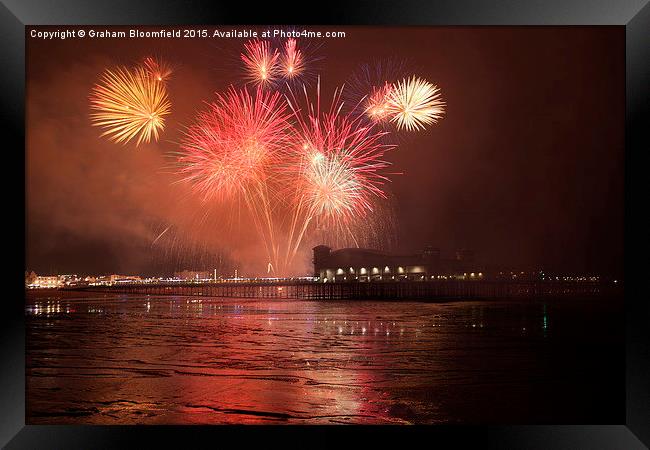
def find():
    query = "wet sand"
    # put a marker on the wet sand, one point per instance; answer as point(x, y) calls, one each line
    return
point(117, 359)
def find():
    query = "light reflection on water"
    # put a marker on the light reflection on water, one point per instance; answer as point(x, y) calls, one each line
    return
point(147, 359)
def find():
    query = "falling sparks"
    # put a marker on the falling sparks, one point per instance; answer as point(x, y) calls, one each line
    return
point(414, 103)
point(130, 104)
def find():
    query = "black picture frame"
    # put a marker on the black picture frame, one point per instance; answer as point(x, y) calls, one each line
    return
point(634, 15)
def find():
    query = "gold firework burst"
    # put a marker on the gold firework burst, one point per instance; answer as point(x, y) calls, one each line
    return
point(414, 103)
point(130, 104)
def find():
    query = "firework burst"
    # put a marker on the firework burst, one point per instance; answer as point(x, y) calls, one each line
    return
point(292, 62)
point(366, 90)
point(340, 168)
point(261, 62)
point(231, 150)
point(129, 104)
point(335, 173)
point(414, 103)
point(158, 69)
point(376, 106)
point(232, 144)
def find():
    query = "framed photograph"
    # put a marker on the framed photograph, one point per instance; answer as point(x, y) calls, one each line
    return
point(392, 214)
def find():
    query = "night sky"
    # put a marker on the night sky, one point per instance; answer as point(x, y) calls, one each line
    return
point(526, 168)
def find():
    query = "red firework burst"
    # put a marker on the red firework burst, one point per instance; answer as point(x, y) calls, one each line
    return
point(232, 145)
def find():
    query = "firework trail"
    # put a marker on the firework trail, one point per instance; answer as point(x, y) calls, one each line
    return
point(335, 169)
point(160, 235)
point(413, 103)
point(261, 63)
point(229, 153)
point(130, 104)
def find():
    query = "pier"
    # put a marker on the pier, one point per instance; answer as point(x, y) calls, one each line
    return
point(383, 290)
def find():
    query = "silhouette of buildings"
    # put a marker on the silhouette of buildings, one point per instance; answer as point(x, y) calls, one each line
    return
point(358, 264)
